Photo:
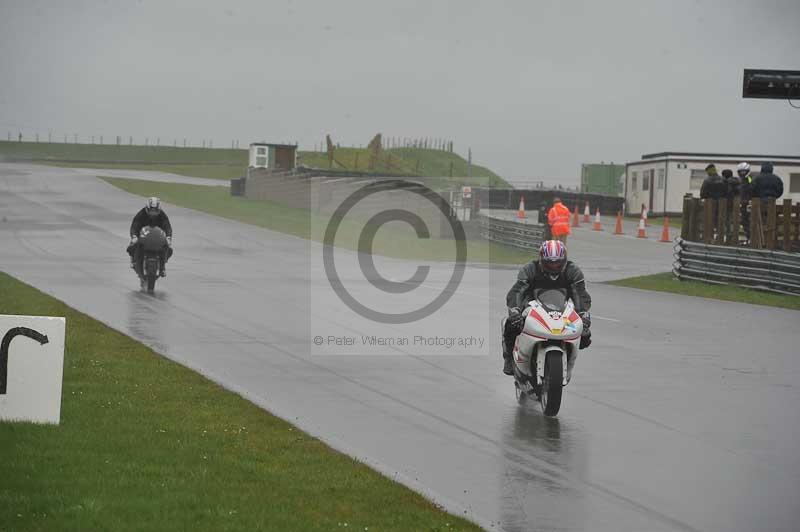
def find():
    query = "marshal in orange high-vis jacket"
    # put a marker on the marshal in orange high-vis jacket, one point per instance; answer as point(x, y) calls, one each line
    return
point(558, 218)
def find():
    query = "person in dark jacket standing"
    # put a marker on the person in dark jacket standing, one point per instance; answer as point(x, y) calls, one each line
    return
point(767, 185)
point(714, 186)
point(152, 215)
point(732, 185)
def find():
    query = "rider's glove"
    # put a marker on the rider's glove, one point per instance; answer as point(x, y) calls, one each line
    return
point(169, 241)
point(587, 319)
point(134, 239)
point(515, 316)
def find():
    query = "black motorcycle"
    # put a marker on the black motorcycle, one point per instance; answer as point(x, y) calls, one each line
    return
point(153, 247)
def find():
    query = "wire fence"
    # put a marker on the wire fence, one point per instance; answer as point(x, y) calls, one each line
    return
point(118, 140)
point(774, 271)
point(509, 233)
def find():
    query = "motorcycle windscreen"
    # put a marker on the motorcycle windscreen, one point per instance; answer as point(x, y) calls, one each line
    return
point(552, 299)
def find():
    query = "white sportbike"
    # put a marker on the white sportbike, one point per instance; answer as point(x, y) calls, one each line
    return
point(545, 351)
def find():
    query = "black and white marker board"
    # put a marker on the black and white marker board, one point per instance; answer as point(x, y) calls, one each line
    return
point(31, 368)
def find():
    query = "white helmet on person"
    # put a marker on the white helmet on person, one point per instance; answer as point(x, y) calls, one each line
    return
point(153, 207)
point(743, 169)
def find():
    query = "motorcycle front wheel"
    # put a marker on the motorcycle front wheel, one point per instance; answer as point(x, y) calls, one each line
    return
point(151, 283)
point(550, 397)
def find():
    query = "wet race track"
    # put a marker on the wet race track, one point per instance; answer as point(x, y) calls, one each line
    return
point(682, 416)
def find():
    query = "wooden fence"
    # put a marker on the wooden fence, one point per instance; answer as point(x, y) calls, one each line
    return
point(772, 225)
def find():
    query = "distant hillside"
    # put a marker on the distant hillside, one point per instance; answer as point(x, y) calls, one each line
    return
point(406, 161)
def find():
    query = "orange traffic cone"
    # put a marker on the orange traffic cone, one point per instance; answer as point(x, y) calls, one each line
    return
point(618, 228)
point(665, 231)
point(586, 213)
point(575, 221)
point(521, 212)
point(642, 232)
point(597, 226)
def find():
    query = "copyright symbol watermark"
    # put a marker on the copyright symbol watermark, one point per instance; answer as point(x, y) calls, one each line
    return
point(366, 240)
point(318, 340)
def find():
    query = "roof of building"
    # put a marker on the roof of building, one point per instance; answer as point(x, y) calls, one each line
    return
point(695, 155)
point(273, 145)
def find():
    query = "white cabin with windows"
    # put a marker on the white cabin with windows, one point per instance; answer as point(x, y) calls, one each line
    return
point(660, 180)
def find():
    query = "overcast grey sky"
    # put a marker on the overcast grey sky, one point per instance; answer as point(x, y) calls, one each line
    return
point(534, 87)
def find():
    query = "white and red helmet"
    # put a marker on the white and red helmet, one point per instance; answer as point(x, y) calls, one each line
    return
point(552, 258)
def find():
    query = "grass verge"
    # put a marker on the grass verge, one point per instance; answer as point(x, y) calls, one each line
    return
point(299, 222)
point(665, 282)
point(146, 444)
point(675, 222)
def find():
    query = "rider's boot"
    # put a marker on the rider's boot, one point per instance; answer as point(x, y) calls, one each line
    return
point(508, 366)
point(508, 362)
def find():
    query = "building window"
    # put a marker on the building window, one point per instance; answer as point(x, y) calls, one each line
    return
point(697, 177)
point(261, 161)
point(261, 151)
point(646, 179)
point(661, 179)
point(794, 183)
point(633, 182)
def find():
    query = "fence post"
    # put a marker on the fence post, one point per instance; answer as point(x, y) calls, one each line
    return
point(771, 224)
point(697, 219)
point(722, 221)
point(686, 225)
point(756, 228)
point(796, 223)
point(787, 225)
point(736, 205)
point(708, 220)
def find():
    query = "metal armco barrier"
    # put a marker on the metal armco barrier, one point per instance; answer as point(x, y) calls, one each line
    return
point(775, 271)
point(518, 235)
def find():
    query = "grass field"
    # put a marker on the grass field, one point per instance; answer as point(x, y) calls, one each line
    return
point(146, 444)
point(665, 282)
point(300, 222)
point(96, 153)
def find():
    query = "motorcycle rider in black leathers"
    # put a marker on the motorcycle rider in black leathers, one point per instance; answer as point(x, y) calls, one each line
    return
point(152, 215)
point(550, 270)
